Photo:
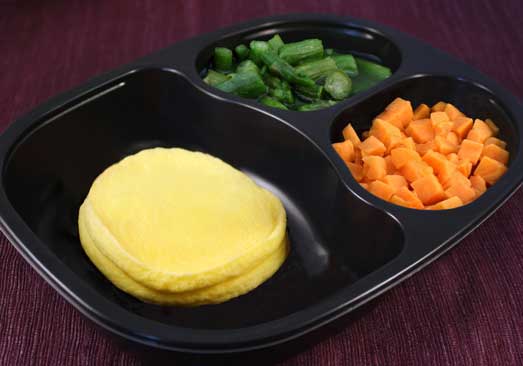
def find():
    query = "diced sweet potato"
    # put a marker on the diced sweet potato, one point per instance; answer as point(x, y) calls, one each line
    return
point(446, 172)
point(453, 138)
point(408, 143)
point(439, 107)
point(386, 132)
point(465, 168)
point(345, 150)
point(447, 204)
point(480, 131)
point(428, 189)
point(391, 169)
point(456, 179)
point(436, 160)
point(479, 184)
point(395, 180)
point(422, 111)
point(439, 117)
point(490, 170)
point(443, 128)
point(350, 134)
point(397, 200)
point(452, 111)
point(423, 148)
point(374, 167)
point(495, 152)
point(444, 146)
point(470, 150)
point(461, 189)
point(496, 141)
point(401, 156)
point(381, 189)
point(421, 130)
point(372, 146)
point(493, 127)
point(414, 170)
point(410, 197)
point(356, 171)
point(453, 158)
point(462, 126)
point(399, 113)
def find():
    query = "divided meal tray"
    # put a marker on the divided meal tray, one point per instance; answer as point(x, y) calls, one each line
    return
point(347, 246)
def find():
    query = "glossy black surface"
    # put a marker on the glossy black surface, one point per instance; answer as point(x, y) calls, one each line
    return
point(347, 245)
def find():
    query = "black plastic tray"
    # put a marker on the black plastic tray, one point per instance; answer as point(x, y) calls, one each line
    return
point(348, 246)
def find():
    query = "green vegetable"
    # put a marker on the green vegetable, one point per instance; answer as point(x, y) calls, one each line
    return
point(346, 63)
point(297, 51)
point(214, 78)
point(320, 104)
point(271, 102)
point(281, 68)
point(242, 51)
point(329, 52)
point(257, 49)
point(314, 91)
point(247, 65)
point(317, 69)
point(246, 84)
point(263, 70)
point(275, 43)
point(222, 59)
point(272, 81)
point(338, 85)
point(361, 83)
point(283, 95)
point(372, 70)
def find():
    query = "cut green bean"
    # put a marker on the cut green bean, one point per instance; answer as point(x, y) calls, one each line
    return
point(242, 51)
point(372, 69)
point(317, 69)
point(222, 59)
point(214, 78)
point(282, 95)
point(314, 91)
point(338, 85)
point(320, 104)
point(257, 49)
point(247, 65)
point(346, 63)
point(271, 102)
point(275, 43)
point(272, 81)
point(281, 68)
point(263, 70)
point(297, 51)
point(246, 84)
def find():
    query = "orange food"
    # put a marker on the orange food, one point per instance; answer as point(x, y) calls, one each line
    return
point(430, 158)
point(422, 111)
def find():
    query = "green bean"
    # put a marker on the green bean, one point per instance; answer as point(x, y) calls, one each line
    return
point(257, 49)
point(372, 69)
point(346, 63)
point(246, 84)
point(338, 85)
point(246, 66)
point(271, 102)
point(314, 91)
point(317, 69)
point(275, 43)
point(297, 51)
point(281, 68)
point(242, 51)
point(222, 59)
point(214, 78)
point(282, 95)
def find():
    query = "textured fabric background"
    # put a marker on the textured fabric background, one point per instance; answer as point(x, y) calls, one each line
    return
point(464, 309)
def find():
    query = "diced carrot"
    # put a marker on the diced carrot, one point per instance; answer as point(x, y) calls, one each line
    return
point(386, 132)
point(401, 156)
point(410, 197)
point(381, 189)
point(453, 138)
point(421, 130)
point(479, 184)
point(444, 146)
point(480, 131)
point(356, 171)
point(465, 168)
point(443, 128)
point(345, 150)
point(372, 146)
point(391, 169)
point(461, 189)
point(374, 167)
point(493, 127)
point(453, 158)
point(399, 113)
point(490, 170)
point(462, 126)
point(495, 152)
point(350, 134)
point(414, 170)
point(470, 150)
point(395, 180)
point(408, 143)
point(422, 111)
point(439, 117)
point(452, 111)
point(423, 148)
point(436, 160)
point(439, 107)
point(447, 204)
point(446, 172)
point(428, 189)
point(456, 179)
point(496, 141)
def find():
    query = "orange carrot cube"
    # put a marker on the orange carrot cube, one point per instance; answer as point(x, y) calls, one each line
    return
point(480, 131)
point(428, 189)
point(439, 117)
point(421, 130)
point(386, 132)
point(399, 113)
point(470, 150)
point(462, 126)
point(422, 111)
point(372, 146)
point(374, 167)
point(490, 170)
point(401, 156)
point(345, 150)
point(415, 170)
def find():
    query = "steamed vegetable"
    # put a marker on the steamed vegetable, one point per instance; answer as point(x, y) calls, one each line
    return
point(301, 76)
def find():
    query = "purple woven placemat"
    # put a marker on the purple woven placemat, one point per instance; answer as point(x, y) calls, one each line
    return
point(464, 309)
